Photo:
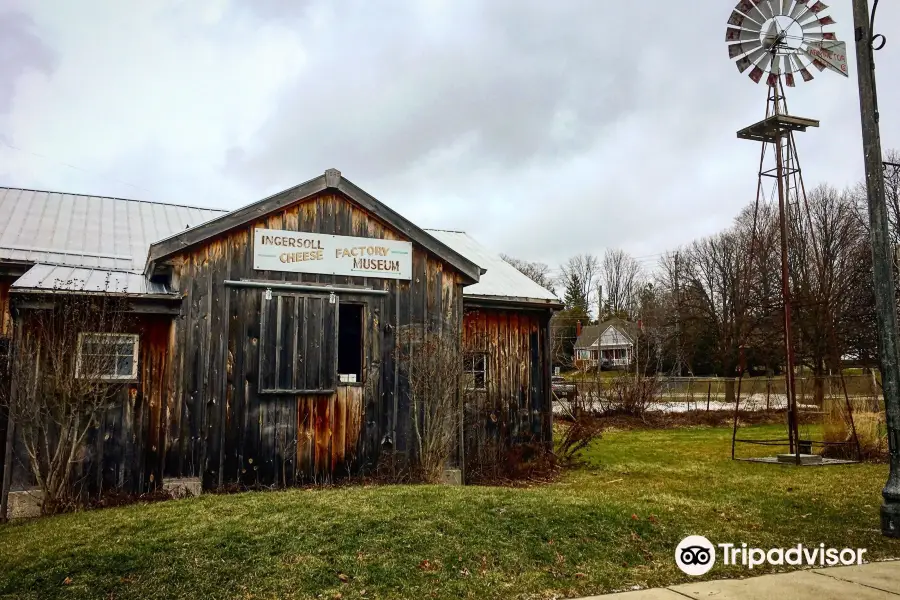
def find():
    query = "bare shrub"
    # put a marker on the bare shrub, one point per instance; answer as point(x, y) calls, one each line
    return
point(630, 395)
point(64, 376)
point(578, 435)
point(433, 364)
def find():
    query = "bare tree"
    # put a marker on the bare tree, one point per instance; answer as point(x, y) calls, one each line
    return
point(538, 272)
point(582, 271)
point(621, 279)
point(68, 363)
point(715, 281)
point(433, 363)
point(830, 277)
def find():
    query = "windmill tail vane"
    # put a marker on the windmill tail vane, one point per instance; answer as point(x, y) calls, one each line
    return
point(775, 38)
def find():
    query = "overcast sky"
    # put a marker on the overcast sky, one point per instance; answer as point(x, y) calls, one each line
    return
point(544, 129)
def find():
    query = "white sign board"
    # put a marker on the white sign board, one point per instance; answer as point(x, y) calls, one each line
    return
point(832, 54)
point(276, 250)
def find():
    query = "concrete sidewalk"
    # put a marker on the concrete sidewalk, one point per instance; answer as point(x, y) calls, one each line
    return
point(874, 581)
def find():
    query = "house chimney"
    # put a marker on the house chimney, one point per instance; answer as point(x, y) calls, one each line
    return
point(578, 328)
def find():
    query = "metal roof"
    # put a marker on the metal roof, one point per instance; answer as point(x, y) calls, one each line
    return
point(80, 279)
point(501, 280)
point(88, 231)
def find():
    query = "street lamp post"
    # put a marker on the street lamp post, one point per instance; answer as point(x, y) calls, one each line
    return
point(883, 275)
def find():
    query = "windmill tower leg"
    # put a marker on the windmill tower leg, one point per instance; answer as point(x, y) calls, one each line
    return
point(790, 388)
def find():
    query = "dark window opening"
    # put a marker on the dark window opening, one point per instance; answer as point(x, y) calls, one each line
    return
point(475, 369)
point(350, 343)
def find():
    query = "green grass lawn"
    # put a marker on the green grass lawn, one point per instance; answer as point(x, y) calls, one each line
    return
point(608, 526)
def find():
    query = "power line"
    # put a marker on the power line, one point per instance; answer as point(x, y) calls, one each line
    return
point(75, 167)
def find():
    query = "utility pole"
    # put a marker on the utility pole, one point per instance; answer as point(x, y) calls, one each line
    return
point(677, 318)
point(883, 275)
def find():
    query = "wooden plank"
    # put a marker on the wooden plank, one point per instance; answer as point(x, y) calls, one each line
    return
point(339, 434)
point(338, 211)
point(330, 327)
point(267, 343)
point(312, 356)
point(296, 345)
point(537, 404)
point(322, 437)
point(217, 359)
point(279, 324)
point(355, 420)
point(250, 451)
point(202, 401)
point(234, 396)
point(388, 341)
point(546, 363)
point(304, 437)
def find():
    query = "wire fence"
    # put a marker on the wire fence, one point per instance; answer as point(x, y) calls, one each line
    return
point(681, 394)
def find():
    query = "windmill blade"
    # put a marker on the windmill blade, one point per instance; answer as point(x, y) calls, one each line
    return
point(733, 34)
point(789, 80)
point(743, 64)
point(738, 19)
point(807, 76)
point(761, 67)
point(749, 8)
point(751, 59)
point(798, 11)
point(793, 64)
point(765, 7)
point(818, 7)
point(775, 71)
point(785, 6)
point(735, 50)
point(818, 22)
point(756, 74)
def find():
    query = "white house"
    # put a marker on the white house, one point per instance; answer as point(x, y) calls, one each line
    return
point(613, 341)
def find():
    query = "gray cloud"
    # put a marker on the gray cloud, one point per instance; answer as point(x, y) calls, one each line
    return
point(544, 129)
point(20, 50)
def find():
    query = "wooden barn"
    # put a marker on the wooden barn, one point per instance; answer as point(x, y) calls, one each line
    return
point(263, 345)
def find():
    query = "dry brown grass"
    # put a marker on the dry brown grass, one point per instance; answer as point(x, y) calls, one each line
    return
point(869, 424)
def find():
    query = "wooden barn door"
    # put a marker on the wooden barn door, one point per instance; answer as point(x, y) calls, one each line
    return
point(288, 417)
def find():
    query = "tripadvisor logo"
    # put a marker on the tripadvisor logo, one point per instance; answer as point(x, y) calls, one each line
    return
point(696, 555)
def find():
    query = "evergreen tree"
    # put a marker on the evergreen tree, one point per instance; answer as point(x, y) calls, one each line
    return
point(575, 298)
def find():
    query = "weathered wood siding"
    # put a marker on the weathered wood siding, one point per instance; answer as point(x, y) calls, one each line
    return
point(125, 451)
point(220, 423)
point(5, 318)
point(5, 335)
point(515, 407)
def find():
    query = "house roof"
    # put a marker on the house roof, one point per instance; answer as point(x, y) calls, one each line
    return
point(501, 281)
point(85, 243)
point(332, 179)
point(591, 333)
point(80, 279)
point(95, 232)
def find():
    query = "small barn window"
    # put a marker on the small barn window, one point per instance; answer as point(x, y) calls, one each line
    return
point(107, 356)
point(297, 344)
point(350, 343)
point(475, 370)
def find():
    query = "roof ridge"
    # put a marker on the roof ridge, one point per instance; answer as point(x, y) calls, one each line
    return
point(445, 230)
point(5, 187)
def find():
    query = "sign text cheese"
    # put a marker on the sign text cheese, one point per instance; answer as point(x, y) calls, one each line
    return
point(276, 250)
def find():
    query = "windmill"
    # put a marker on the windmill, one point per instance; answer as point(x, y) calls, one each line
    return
point(777, 41)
